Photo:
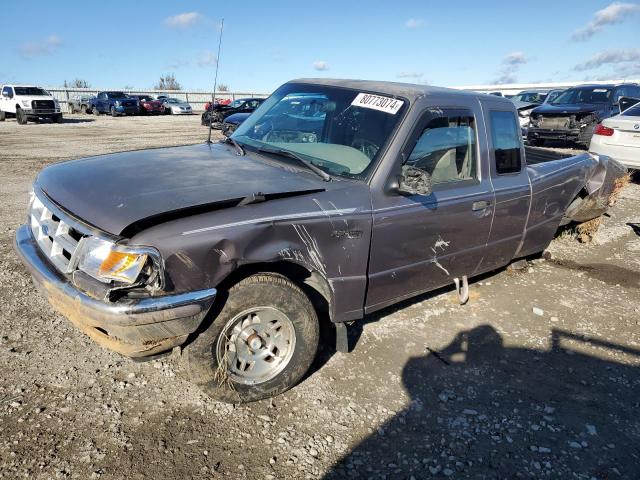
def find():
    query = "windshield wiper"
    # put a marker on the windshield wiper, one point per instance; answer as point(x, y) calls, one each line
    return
point(287, 153)
point(237, 146)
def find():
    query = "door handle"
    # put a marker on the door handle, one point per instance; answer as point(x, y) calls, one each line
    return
point(480, 205)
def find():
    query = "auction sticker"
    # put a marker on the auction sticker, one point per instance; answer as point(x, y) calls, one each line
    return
point(377, 102)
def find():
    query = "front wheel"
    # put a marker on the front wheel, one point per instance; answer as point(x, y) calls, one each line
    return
point(260, 344)
point(95, 110)
point(112, 110)
point(57, 118)
point(21, 117)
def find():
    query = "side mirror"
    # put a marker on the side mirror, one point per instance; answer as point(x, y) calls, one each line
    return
point(414, 181)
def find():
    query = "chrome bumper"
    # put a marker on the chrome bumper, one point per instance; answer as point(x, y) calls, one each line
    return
point(133, 328)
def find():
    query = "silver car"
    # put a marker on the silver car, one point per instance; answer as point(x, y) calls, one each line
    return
point(174, 106)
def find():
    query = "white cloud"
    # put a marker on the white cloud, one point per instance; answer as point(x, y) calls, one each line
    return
point(48, 46)
point(207, 58)
point(610, 57)
point(414, 23)
point(515, 58)
point(617, 12)
point(320, 65)
point(183, 20)
point(510, 65)
point(410, 74)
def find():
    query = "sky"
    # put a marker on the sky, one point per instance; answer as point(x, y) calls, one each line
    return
point(120, 44)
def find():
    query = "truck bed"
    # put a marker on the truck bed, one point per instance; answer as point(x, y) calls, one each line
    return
point(542, 155)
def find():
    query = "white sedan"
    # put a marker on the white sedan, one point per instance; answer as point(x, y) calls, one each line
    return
point(619, 138)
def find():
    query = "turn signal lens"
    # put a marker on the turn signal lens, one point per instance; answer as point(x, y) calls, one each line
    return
point(602, 130)
point(124, 267)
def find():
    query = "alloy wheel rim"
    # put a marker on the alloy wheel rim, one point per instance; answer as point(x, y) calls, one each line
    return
point(256, 345)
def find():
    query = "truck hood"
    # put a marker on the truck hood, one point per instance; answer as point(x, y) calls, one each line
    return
point(569, 109)
point(30, 98)
point(124, 193)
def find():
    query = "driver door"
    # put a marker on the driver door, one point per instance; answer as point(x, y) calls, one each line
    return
point(420, 243)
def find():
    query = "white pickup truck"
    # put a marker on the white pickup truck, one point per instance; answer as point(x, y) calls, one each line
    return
point(27, 102)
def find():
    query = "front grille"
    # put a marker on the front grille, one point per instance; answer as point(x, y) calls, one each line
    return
point(42, 104)
point(554, 122)
point(56, 239)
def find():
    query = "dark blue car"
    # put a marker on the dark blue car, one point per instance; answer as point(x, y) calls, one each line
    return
point(114, 103)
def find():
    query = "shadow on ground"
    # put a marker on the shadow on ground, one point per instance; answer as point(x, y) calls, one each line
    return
point(481, 409)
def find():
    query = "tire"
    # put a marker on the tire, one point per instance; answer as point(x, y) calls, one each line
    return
point(95, 111)
point(57, 118)
point(86, 109)
point(3, 116)
point(21, 117)
point(112, 111)
point(269, 301)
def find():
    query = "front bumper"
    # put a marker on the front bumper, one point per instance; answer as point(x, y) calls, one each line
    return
point(555, 134)
point(127, 110)
point(40, 112)
point(135, 328)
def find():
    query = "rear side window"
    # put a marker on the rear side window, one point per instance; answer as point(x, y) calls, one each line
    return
point(633, 111)
point(446, 149)
point(505, 133)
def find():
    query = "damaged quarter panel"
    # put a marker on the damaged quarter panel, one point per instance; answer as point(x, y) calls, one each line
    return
point(325, 232)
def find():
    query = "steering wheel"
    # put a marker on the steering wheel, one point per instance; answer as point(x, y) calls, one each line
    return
point(365, 146)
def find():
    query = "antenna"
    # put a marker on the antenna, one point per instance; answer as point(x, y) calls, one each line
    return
point(215, 81)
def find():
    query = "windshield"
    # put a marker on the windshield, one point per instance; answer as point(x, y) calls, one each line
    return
point(117, 95)
point(32, 91)
point(236, 103)
point(339, 130)
point(575, 96)
point(172, 100)
point(530, 97)
point(553, 95)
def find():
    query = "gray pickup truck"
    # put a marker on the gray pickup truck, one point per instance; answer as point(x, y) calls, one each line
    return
point(336, 198)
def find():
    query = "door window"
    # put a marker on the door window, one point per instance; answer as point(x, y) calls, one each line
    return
point(8, 91)
point(446, 149)
point(505, 133)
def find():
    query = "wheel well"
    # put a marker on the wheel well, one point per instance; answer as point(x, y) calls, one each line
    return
point(312, 283)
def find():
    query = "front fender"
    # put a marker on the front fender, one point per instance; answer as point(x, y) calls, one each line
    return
point(331, 244)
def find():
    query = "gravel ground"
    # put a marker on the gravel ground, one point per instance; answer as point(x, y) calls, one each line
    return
point(537, 377)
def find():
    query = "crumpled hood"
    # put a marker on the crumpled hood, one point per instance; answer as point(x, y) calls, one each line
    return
point(113, 192)
point(569, 109)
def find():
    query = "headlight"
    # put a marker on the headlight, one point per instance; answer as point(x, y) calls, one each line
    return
point(117, 103)
point(106, 261)
point(26, 103)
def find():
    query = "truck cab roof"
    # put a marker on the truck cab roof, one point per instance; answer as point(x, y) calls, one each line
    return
point(410, 91)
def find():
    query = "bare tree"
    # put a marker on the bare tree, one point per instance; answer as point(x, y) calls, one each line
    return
point(168, 82)
point(223, 87)
point(77, 83)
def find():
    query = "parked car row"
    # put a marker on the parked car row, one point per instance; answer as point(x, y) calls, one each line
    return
point(119, 103)
point(572, 115)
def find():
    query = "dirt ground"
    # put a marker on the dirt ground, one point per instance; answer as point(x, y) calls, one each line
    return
point(537, 377)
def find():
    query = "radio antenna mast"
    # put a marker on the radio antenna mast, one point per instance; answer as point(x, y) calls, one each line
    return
point(215, 82)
